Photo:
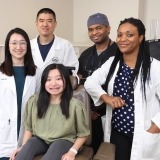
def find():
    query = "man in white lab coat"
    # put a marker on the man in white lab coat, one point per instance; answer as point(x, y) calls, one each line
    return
point(47, 48)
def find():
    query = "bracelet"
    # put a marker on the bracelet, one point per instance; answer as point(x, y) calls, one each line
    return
point(73, 150)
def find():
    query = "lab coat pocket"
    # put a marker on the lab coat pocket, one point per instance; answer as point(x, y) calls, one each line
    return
point(151, 145)
point(5, 132)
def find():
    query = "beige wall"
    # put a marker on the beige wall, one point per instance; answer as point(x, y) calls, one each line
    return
point(115, 10)
point(151, 11)
point(22, 13)
point(73, 14)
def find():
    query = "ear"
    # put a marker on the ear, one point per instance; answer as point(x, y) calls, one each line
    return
point(141, 38)
point(55, 24)
point(109, 28)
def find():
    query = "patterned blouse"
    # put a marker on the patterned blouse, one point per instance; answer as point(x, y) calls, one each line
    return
point(123, 118)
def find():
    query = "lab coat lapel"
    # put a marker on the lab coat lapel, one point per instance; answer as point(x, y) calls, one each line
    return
point(12, 84)
point(27, 84)
point(36, 53)
point(52, 52)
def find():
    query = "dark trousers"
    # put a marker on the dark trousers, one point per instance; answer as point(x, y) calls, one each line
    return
point(36, 146)
point(4, 158)
point(97, 134)
point(123, 145)
point(97, 130)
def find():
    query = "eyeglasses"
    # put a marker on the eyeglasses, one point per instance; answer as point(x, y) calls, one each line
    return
point(21, 43)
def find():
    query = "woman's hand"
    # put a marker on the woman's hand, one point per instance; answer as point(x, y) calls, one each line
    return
point(114, 102)
point(153, 129)
point(69, 156)
point(12, 157)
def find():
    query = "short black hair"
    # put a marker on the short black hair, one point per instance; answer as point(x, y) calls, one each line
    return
point(46, 10)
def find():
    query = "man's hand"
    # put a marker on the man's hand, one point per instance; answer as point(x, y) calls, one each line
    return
point(94, 115)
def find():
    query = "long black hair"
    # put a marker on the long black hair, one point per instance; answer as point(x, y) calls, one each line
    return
point(44, 97)
point(7, 66)
point(143, 59)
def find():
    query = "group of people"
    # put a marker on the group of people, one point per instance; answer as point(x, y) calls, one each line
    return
point(121, 77)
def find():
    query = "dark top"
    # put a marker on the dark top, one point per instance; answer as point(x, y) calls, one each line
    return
point(123, 118)
point(19, 76)
point(44, 49)
point(89, 61)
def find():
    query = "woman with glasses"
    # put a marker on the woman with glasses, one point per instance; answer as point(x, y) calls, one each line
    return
point(17, 84)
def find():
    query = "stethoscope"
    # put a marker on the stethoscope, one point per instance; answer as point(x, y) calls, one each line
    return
point(91, 63)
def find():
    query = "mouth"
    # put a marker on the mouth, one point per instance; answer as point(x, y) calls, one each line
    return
point(45, 29)
point(54, 89)
point(18, 52)
point(95, 38)
point(123, 45)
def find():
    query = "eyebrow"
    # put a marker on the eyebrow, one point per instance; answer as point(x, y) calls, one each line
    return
point(45, 19)
point(14, 40)
point(125, 31)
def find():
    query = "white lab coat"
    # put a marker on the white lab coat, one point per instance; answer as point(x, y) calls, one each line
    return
point(61, 52)
point(146, 146)
point(8, 111)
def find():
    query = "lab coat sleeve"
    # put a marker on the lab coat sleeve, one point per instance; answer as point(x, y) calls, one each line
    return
point(38, 80)
point(70, 57)
point(94, 83)
point(156, 118)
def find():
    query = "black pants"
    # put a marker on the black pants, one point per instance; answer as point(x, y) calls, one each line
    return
point(97, 130)
point(36, 146)
point(4, 158)
point(123, 145)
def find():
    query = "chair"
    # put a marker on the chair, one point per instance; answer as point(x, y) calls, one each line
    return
point(106, 150)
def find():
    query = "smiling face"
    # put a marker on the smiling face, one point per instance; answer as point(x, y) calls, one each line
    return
point(98, 33)
point(17, 48)
point(128, 39)
point(46, 24)
point(54, 84)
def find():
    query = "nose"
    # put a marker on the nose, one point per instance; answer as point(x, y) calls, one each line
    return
point(94, 31)
point(18, 45)
point(123, 38)
point(53, 82)
point(45, 23)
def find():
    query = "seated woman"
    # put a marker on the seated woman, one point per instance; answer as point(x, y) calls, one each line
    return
point(55, 123)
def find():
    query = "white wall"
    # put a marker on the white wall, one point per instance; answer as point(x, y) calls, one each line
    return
point(116, 10)
point(72, 15)
point(151, 11)
point(22, 13)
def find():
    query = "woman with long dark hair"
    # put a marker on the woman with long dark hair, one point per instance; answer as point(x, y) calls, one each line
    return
point(55, 123)
point(132, 95)
point(17, 83)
